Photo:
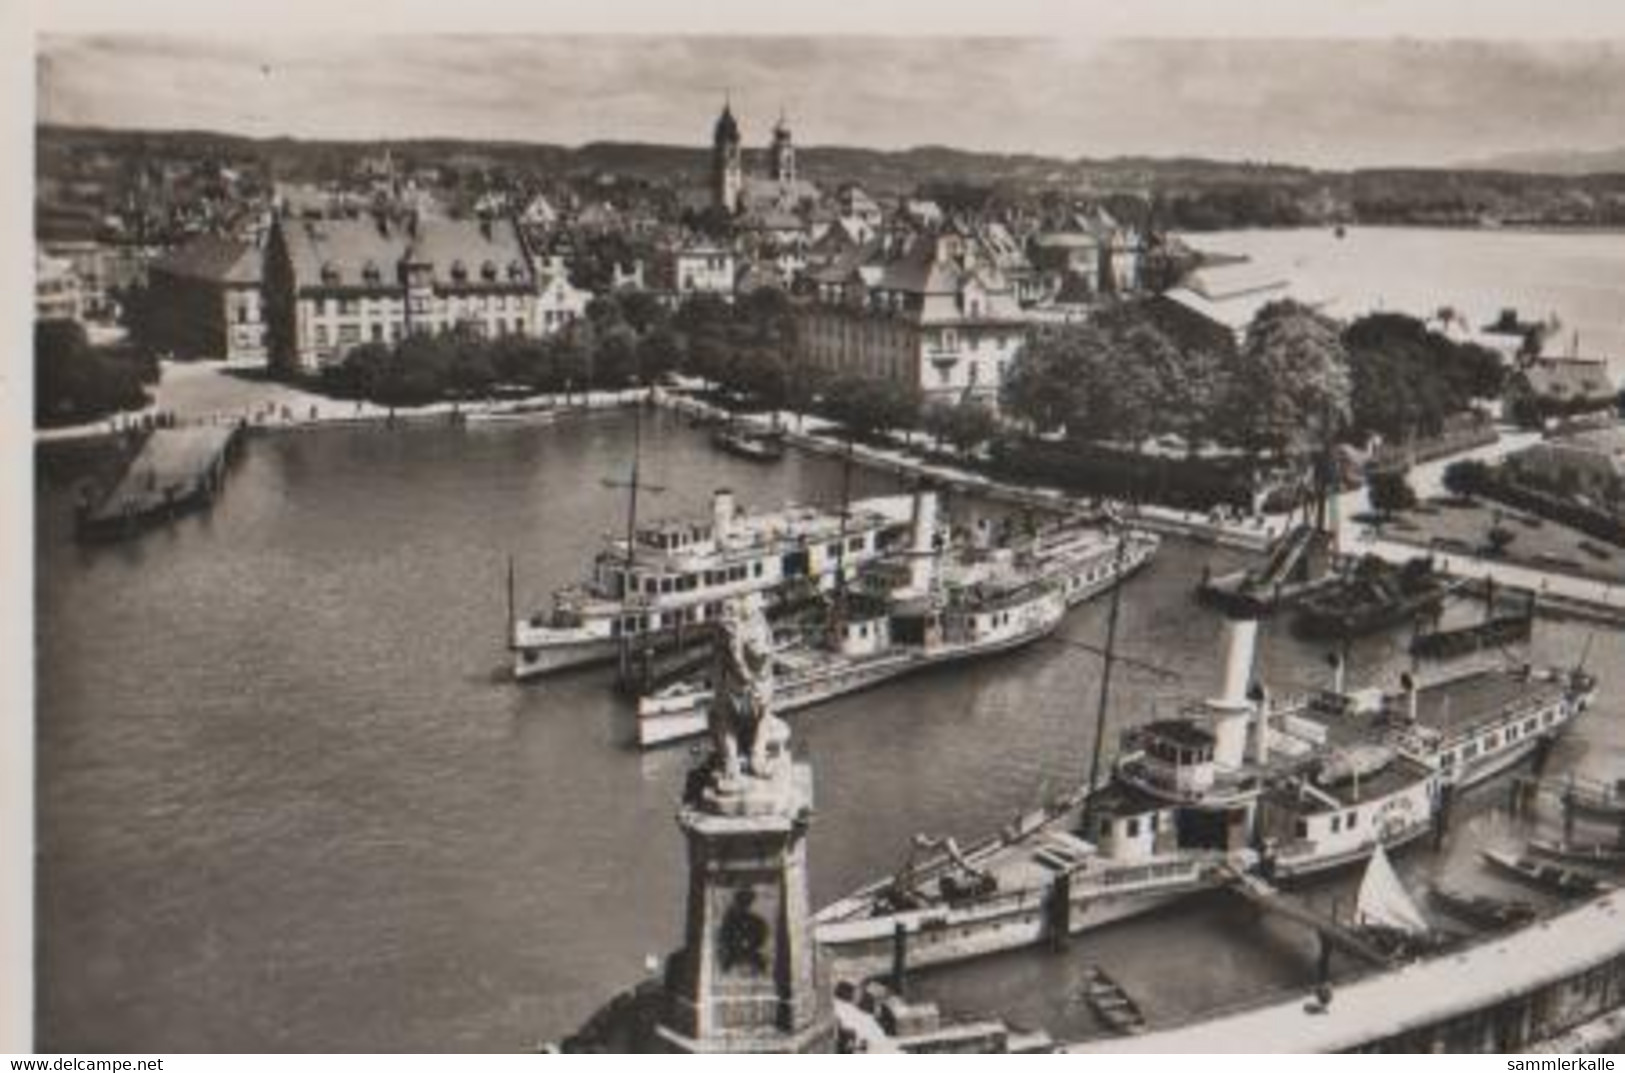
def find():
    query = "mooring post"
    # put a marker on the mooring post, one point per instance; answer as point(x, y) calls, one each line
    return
point(1060, 911)
point(899, 957)
point(1441, 818)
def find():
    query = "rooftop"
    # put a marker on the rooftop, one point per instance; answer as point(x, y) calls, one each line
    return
point(367, 253)
point(214, 259)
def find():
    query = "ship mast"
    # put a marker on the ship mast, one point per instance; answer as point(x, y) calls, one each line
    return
point(838, 610)
point(633, 485)
point(1109, 656)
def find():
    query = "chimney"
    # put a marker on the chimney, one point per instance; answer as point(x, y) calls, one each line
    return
point(923, 553)
point(1230, 709)
point(722, 513)
point(1408, 683)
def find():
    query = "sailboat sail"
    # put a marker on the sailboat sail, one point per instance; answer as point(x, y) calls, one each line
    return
point(1383, 900)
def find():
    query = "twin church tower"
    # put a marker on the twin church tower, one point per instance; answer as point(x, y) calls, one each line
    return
point(728, 180)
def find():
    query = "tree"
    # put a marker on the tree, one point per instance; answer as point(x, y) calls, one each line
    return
point(970, 425)
point(75, 382)
point(1119, 378)
point(1291, 386)
point(868, 406)
point(1498, 539)
point(1390, 491)
point(1039, 387)
point(1407, 379)
point(1466, 478)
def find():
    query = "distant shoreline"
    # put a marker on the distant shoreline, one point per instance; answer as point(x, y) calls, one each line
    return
point(1521, 229)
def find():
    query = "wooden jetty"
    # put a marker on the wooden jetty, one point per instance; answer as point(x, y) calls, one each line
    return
point(176, 470)
point(1333, 935)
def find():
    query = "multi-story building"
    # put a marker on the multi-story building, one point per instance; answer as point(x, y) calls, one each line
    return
point(331, 285)
point(934, 314)
point(58, 294)
point(559, 304)
point(688, 269)
point(206, 300)
point(1093, 253)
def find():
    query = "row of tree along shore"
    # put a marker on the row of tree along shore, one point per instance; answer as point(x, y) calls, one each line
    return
point(1132, 401)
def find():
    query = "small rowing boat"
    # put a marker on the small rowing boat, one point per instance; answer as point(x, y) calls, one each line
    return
point(1566, 882)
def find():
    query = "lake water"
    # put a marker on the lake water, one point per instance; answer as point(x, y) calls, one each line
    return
point(1579, 276)
point(288, 799)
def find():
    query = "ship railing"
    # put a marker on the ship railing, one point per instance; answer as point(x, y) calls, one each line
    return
point(1189, 866)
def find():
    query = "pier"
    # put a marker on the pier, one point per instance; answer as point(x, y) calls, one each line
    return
point(1334, 935)
point(176, 469)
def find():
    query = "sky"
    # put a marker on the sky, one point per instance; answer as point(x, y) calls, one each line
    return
point(1327, 103)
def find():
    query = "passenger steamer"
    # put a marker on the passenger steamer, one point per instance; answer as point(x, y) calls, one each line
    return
point(1234, 785)
point(671, 578)
point(937, 607)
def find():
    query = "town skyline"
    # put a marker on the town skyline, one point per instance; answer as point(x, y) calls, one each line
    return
point(1323, 104)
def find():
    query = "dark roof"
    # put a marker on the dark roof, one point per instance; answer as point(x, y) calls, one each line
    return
point(1179, 732)
point(921, 271)
point(213, 259)
point(340, 252)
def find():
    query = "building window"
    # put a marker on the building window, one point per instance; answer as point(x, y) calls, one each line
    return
point(378, 333)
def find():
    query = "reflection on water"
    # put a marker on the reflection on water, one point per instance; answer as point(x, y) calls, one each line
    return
point(287, 800)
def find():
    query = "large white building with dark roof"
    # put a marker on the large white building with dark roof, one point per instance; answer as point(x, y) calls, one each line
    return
point(934, 313)
point(331, 285)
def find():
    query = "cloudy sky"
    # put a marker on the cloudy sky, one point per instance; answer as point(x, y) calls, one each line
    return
point(1332, 103)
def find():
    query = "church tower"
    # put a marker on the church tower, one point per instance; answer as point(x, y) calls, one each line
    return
point(727, 163)
point(783, 153)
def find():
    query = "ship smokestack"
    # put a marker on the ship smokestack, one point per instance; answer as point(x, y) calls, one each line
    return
point(722, 513)
point(1231, 708)
point(1240, 641)
point(922, 554)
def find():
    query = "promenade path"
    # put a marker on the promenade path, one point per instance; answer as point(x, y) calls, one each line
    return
point(214, 393)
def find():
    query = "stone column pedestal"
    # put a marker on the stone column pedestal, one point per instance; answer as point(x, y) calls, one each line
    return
point(747, 979)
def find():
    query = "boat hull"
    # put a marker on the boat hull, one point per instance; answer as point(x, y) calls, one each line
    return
point(862, 949)
point(539, 660)
point(1312, 866)
point(658, 726)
